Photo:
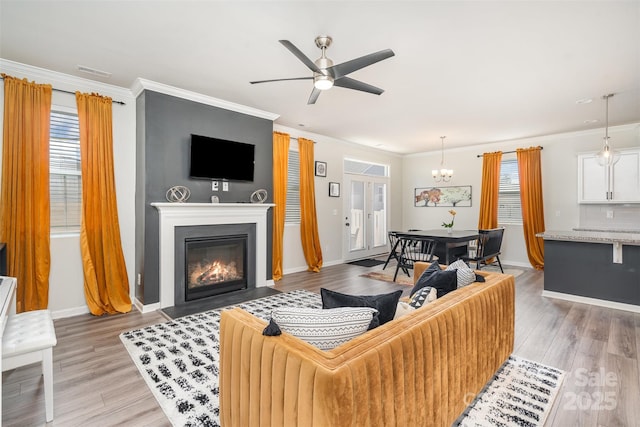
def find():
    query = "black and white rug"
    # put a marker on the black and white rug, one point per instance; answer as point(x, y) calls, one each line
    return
point(520, 394)
point(179, 360)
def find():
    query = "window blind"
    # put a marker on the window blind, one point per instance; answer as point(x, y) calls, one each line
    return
point(65, 180)
point(292, 207)
point(509, 208)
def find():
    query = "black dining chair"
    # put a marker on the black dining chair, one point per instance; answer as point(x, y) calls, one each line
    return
point(412, 250)
point(488, 247)
point(395, 248)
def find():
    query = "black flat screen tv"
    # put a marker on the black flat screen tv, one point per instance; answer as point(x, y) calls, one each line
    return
point(213, 158)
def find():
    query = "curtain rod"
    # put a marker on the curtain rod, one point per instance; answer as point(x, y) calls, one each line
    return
point(73, 93)
point(507, 152)
point(296, 138)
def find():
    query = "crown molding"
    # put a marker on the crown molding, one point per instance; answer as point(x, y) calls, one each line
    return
point(140, 85)
point(64, 81)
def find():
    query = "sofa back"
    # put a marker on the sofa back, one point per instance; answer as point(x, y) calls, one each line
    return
point(421, 369)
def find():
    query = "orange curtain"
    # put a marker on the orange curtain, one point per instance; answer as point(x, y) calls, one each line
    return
point(280, 167)
point(24, 198)
point(490, 190)
point(308, 219)
point(106, 286)
point(530, 173)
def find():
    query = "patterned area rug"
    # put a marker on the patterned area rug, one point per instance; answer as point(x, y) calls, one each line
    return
point(520, 394)
point(179, 360)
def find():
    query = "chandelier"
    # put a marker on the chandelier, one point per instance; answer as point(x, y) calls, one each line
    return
point(607, 156)
point(443, 174)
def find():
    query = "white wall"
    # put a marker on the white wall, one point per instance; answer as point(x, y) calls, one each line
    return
point(331, 227)
point(559, 174)
point(66, 283)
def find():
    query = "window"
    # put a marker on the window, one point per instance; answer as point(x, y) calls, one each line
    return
point(65, 180)
point(292, 209)
point(509, 209)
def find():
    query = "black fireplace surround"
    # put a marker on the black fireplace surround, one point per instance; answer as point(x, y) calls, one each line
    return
point(211, 260)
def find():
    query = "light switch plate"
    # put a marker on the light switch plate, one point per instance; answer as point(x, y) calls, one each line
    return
point(225, 186)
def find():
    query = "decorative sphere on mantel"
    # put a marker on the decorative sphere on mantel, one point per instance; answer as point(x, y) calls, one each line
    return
point(178, 194)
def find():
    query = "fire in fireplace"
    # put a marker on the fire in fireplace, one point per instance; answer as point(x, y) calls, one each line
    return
point(215, 265)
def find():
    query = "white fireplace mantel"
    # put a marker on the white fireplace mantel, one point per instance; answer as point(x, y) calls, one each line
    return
point(174, 215)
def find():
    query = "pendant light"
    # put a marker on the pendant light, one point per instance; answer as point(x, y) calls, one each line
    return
point(443, 174)
point(607, 156)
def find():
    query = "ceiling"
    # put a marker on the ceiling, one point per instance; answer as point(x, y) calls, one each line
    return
point(475, 72)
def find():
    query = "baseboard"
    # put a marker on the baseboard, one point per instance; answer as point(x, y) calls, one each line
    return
point(304, 268)
point(593, 301)
point(69, 312)
point(148, 308)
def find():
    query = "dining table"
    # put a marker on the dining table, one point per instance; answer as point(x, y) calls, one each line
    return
point(449, 244)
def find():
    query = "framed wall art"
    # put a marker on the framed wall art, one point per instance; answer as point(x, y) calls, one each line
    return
point(443, 196)
point(321, 169)
point(334, 189)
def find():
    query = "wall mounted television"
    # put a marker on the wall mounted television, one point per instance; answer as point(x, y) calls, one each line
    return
point(213, 158)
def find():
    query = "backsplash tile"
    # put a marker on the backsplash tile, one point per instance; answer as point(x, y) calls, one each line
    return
point(625, 217)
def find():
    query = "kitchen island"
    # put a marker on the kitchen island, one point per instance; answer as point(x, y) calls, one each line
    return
point(596, 267)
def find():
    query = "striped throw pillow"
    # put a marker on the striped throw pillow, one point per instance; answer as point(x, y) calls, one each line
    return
point(324, 328)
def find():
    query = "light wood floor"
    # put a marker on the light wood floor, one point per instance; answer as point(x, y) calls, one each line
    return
point(96, 383)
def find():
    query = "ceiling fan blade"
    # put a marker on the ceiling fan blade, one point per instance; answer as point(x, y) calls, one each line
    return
point(350, 83)
point(281, 80)
point(315, 93)
point(341, 70)
point(301, 56)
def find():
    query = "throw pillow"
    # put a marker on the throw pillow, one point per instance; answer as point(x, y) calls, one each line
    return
point(386, 304)
point(444, 281)
point(421, 282)
point(403, 309)
point(465, 274)
point(423, 296)
point(325, 329)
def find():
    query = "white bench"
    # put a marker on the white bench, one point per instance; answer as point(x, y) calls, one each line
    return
point(28, 338)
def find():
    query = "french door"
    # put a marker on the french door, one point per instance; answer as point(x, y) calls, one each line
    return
point(365, 214)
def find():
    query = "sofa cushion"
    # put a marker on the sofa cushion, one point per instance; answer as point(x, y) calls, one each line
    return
point(324, 328)
point(465, 274)
point(386, 304)
point(423, 296)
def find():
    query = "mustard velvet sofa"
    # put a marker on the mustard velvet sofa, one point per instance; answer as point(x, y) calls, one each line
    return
point(422, 369)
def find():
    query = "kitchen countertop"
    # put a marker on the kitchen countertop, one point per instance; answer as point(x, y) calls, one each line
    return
point(592, 236)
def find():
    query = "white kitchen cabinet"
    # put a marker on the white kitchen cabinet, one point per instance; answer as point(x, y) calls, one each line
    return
point(619, 183)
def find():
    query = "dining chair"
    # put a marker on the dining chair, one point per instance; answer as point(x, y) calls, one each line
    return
point(412, 250)
point(489, 244)
point(395, 248)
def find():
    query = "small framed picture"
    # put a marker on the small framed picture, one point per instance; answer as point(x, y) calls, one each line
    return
point(321, 169)
point(334, 189)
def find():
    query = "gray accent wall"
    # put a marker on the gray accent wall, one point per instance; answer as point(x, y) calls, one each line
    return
point(164, 127)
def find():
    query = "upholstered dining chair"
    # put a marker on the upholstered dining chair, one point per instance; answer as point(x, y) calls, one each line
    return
point(412, 250)
point(488, 247)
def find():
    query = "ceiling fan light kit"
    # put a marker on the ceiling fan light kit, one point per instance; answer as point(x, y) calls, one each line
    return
point(326, 75)
point(607, 156)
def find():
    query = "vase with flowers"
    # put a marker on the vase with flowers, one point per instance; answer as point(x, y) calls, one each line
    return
point(449, 225)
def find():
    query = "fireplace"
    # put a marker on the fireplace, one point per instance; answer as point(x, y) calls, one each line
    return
point(211, 260)
point(215, 266)
point(179, 221)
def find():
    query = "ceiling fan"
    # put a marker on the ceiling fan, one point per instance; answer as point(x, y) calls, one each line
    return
point(326, 75)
